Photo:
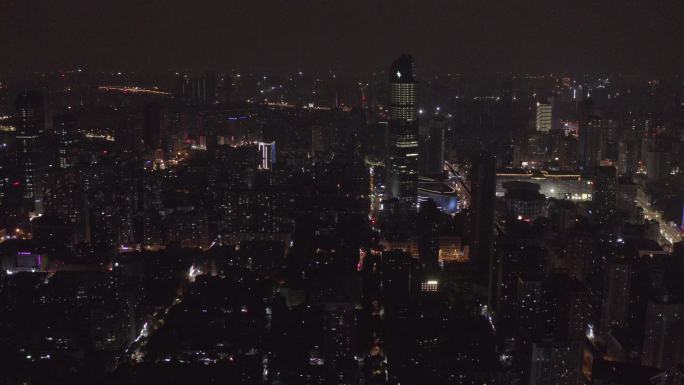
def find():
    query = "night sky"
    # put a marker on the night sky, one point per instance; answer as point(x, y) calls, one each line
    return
point(353, 36)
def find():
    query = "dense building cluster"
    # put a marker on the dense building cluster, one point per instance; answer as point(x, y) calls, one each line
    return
point(248, 227)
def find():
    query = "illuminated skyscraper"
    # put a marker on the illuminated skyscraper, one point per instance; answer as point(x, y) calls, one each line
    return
point(67, 139)
point(544, 117)
point(30, 124)
point(268, 155)
point(402, 163)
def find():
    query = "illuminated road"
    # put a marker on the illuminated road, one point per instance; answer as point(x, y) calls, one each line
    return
point(670, 234)
point(136, 350)
point(458, 185)
point(464, 195)
point(375, 198)
point(134, 90)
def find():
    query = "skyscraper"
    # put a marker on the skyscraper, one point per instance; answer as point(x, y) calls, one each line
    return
point(402, 163)
point(554, 362)
point(154, 126)
point(432, 146)
point(67, 139)
point(544, 117)
point(511, 132)
point(590, 138)
point(628, 156)
point(483, 192)
point(604, 199)
point(663, 335)
point(197, 88)
point(616, 287)
point(29, 126)
point(656, 165)
point(268, 155)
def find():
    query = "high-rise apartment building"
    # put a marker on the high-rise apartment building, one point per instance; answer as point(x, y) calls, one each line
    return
point(604, 199)
point(663, 335)
point(66, 131)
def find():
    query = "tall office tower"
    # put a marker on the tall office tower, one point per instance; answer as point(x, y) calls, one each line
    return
point(154, 126)
point(656, 165)
point(616, 289)
point(482, 190)
point(648, 144)
point(664, 334)
point(589, 141)
point(590, 132)
point(182, 87)
point(610, 140)
point(432, 146)
point(197, 88)
point(604, 198)
point(66, 131)
point(29, 126)
point(10, 191)
point(508, 132)
point(428, 233)
point(402, 163)
point(544, 117)
point(554, 143)
point(628, 156)
point(204, 87)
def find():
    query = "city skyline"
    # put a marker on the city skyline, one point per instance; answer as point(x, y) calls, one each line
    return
point(341, 193)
